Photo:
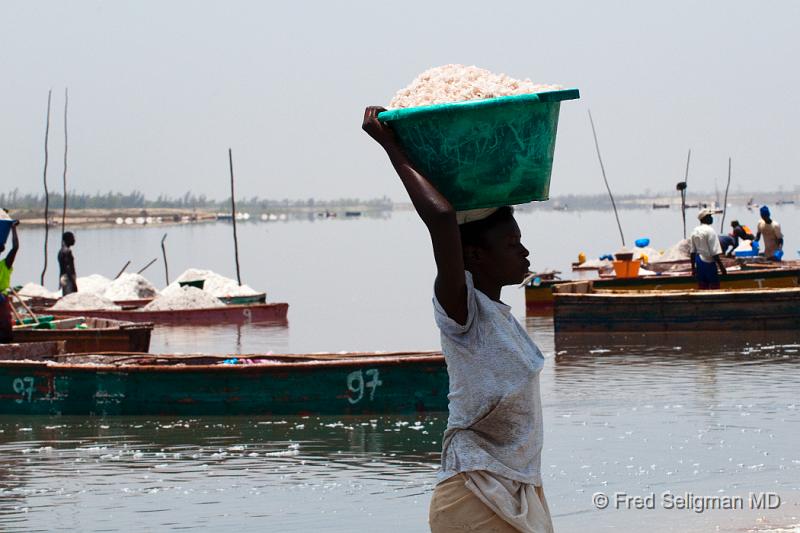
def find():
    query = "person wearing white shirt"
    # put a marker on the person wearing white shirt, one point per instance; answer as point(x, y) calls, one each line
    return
point(706, 252)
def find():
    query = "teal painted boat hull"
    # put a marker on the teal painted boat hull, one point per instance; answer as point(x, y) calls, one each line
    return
point(357, 385)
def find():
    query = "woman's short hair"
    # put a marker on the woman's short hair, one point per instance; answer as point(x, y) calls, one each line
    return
point(472, 233)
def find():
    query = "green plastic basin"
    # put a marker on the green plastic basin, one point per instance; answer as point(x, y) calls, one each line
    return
point(197, 283)
point(484, 153)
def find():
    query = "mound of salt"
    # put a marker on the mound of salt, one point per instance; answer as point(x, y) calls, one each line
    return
point(174, 298)
point(679, 251)
point(94, 283)
point(32, 290)
point(130, 286)
point(215, 284)
point(459, 83)
point(81, 301)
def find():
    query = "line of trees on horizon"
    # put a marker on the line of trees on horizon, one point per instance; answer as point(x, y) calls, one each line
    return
point(14, 199)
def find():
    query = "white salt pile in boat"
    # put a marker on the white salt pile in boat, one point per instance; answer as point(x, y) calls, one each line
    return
point(80, 301)
point(95, 284)
point(600, 264)
point(678, 252)
point(130, 286)
point(215, 284)
point(32, 290)
point(651, 253)
point(459, 83)
point(174, 298)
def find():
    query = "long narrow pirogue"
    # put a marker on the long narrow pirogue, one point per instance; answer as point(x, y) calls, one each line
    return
point(580, 308)
point(88, 335)
point(267, 313)
point(258, 384)
point(539, 298)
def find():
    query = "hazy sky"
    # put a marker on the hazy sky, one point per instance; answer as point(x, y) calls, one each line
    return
point(160, 89)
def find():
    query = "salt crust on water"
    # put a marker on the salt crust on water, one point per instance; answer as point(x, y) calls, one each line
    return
point(129, 286)
point(176, 297)
point(215, 284)
point(80, 301)
point(459, 83)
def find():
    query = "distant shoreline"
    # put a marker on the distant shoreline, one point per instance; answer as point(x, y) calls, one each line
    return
point(163, 216)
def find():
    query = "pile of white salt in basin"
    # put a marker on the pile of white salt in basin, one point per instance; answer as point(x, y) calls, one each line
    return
point(215, 284)
point(82, 301)
point(459, 83)
point(176, 297)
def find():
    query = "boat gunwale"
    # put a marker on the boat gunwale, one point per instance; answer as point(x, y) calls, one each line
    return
point(272, 363)
point(643, 280)
point(675, 295)
point(173, 311)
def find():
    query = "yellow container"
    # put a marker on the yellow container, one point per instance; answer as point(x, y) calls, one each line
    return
point(626, 269)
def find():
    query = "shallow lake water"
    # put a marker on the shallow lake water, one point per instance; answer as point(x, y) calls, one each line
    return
point(709, 416)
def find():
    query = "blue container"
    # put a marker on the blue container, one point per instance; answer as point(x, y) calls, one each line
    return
point(751, 253)
point(641, 243)
point(5, 229)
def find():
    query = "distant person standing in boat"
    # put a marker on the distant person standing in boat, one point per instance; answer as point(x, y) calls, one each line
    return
point(490, 477)
point(66, 265)
point(706, 252)
point(773, 236)
point(6, 266)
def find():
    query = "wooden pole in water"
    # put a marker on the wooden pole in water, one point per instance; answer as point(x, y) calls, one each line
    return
point(233, 219)
point(64, 176)
point(122, 269)
point(146, 266)
point(603, 170)
point(164, 253)
point(46, 193)
point(725, 203)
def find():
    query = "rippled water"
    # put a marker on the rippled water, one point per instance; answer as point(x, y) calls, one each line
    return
point(711, 415)
point(642, 418)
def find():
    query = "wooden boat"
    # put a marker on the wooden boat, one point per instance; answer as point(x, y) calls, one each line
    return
point(267, 313)
point(259, 298)
point(579, 307)
point(539, 299)
point(641, 346)
point(43, 304)
point(28, 350)
point(95, 335)
point(293, 384)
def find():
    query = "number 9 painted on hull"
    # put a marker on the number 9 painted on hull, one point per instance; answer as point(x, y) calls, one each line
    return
point(23, 387)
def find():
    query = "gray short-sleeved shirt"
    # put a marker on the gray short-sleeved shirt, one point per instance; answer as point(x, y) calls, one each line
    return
point(495, 420)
